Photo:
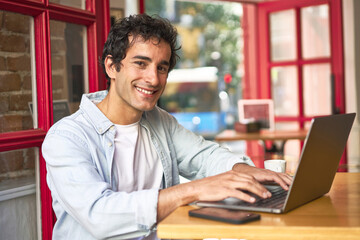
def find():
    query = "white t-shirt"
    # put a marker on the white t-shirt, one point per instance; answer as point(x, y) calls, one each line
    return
point(136, 164)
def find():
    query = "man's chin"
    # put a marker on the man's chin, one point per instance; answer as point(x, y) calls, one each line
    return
point(147, 108)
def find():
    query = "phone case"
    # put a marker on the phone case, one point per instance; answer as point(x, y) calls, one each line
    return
point(224, 215)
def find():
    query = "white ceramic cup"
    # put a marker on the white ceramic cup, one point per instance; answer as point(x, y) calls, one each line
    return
point(276, 165)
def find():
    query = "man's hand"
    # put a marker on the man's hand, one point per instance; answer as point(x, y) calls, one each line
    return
point(264, 175)
point(235, 183)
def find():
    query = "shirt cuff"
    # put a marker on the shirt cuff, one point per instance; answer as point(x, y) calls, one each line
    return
point(242, 159)
point(147, 211)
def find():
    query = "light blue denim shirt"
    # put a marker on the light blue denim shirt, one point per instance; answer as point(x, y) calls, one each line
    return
point(79, 151)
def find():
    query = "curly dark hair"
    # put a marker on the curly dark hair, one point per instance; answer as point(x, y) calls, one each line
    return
point(138, 25)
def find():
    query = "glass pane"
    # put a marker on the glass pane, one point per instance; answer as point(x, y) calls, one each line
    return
point(284, 87)
point(18, 194)
point(307, 125)
point(315, 31)
point(116, 10)
point(203, 90)
point(16, 71)
point(291, 148)
point(317, 89)
point(283, 35)
point(69, 67)
point(70, 3)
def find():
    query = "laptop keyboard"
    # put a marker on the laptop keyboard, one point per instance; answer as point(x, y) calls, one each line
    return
point(277, 199)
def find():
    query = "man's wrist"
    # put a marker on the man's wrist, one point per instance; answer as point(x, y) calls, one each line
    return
point(240, 166)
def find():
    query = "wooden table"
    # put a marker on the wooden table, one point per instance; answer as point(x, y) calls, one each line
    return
point(277, 135)
point(333, 216)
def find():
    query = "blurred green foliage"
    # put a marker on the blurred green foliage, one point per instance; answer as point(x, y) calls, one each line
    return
point(221, 30)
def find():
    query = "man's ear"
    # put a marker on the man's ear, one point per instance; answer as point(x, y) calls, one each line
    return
point(110, 67)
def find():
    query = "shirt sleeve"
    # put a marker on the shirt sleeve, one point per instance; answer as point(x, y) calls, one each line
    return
point(198, 158)
point(78, 186)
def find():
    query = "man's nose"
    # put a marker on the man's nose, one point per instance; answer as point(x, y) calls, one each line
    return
point(152, 76)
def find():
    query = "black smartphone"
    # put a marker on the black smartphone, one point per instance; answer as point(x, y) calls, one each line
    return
point(224, 215)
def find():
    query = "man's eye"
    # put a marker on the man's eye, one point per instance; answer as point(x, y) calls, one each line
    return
point(162, 69)
point(141, 64)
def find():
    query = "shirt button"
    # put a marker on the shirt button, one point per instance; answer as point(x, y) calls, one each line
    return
point(109, 144)
point(112, 128)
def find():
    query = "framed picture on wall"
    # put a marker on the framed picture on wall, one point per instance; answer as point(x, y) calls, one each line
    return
point(259, 110)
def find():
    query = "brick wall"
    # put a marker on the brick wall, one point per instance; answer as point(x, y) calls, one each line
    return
point(15, 92)
point(17, 164)
point(15, 73)
point(58, 60)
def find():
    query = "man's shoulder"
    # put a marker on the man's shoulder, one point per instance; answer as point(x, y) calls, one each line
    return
point(70, 123)
point(69, 131)
point(87, 116)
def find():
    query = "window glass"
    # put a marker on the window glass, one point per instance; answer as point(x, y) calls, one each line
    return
point(71, 3)
point(16, 84)
point(292, 147)
point(116, 10)
point(203, 90)
point(317, 89)
point(18, 194)
point(315, 28)
point(284, 82)
point(283, 35)
point(69, 67)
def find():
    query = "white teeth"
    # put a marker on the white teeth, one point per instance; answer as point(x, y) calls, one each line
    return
point(145, 91)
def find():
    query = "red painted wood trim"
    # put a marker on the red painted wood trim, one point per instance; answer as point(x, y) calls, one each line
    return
point(336, 32)
point(102, 28)
point(247, 62)
point(250, 80)
point(264, 54)
point(21, 139)
point(285, 4)
point(69, 14)
point(92, 58)
point(48, 217)
point(45, 116)
point(31, 8)
point(300, 62)
point(141, 6)
point(299, 67)
point(58, 12)
point(90, 6)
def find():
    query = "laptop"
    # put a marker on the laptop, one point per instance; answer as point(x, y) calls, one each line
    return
point(319, 160)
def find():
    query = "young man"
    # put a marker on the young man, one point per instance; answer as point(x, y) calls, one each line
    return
point(114, 165)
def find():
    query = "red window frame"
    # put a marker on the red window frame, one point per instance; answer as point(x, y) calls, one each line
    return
point(96, 18)
point(257, 80)
point(336, 58)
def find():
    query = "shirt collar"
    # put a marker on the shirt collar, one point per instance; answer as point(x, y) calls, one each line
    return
point(88, 106)
point(100, 122)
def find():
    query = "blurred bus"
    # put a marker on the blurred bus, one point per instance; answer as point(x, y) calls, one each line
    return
point(192, 97)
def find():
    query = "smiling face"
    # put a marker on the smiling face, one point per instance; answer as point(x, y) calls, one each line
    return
point(142, 77)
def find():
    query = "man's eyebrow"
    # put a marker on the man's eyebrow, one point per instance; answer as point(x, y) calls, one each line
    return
point(143, 58)
point(163, 62)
